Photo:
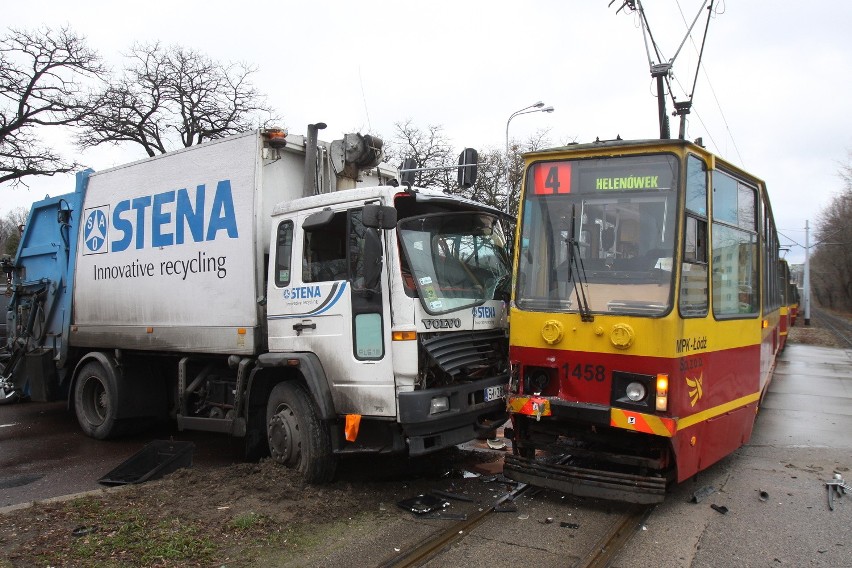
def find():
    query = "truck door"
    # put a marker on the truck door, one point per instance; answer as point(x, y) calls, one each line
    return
point(319, 302)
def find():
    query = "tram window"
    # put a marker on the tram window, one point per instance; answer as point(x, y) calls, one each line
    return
point(734, 202)
point(693, 278)
point(735, 278)
point(696, 186)
point(695, 240)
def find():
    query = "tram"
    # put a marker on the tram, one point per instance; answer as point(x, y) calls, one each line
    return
point(645, 316)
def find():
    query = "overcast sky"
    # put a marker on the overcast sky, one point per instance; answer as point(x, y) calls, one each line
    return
point(773, 95)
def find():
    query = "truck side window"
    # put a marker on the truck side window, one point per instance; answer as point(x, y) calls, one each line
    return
point(325, 252)
point(283, 253)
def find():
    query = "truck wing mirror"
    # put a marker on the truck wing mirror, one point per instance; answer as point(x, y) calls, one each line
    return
point(318, 220)
point(408, 171)
point(467, 167)
point(378, 217)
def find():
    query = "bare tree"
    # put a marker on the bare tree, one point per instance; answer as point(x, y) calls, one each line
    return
point(540, 139)
point(430, 148)
point(171, 97)
point(41, 84)
point(832, 261)
point(10, 235)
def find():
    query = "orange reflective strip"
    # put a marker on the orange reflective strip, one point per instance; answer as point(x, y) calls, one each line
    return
point(529, 405)
point(639, 422)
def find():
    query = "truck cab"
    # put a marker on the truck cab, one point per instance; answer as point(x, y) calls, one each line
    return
point(408, 322)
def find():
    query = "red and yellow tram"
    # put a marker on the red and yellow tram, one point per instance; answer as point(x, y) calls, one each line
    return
point(645, 316)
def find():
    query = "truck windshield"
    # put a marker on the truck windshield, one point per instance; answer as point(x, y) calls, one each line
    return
point(456, 260)
point(607, 224)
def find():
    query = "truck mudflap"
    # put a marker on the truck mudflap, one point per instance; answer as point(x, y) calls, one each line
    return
point(475, 407)
point(586, 481)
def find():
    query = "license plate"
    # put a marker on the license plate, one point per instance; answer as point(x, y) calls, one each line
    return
point(493, 393)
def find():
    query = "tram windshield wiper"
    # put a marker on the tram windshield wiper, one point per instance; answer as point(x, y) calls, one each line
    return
point(577, 272)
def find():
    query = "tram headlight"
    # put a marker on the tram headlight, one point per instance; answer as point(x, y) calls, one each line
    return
point(536, 379)
point(633, 391)
point(636, 391)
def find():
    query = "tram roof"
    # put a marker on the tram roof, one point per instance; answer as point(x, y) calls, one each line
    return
point(617, 143)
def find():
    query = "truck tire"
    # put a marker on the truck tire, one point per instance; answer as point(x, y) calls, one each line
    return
point(95, 401)
point(297, 437)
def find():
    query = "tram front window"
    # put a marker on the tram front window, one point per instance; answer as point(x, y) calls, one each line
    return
point(608, 222)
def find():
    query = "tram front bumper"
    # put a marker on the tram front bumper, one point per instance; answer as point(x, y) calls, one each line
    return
point(585, 481)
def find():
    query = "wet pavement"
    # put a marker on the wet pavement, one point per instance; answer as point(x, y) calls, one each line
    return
point(44, 454)
point(803, 435)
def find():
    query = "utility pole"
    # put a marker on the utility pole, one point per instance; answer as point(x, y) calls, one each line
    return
point(806, 285)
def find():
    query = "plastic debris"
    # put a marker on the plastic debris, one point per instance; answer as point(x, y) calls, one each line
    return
point(444, 516)
point(83, 530)
point(423, 504)
point(449, 495)
point(506, 507)
point(702, 494)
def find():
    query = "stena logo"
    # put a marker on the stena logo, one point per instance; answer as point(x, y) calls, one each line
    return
point(302, 293)
point(442, 323)
point(96, 230)
point(163, 219)
point(484, 312)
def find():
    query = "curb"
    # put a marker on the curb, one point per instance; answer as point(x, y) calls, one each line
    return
point(61, 499)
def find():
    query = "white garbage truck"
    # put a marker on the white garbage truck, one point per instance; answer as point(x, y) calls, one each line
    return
point(268, 286)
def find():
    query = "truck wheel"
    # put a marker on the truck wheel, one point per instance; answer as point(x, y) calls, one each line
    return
point(297, 437)
point(95, 401)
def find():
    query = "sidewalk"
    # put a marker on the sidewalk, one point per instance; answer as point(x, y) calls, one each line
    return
point(803, 435)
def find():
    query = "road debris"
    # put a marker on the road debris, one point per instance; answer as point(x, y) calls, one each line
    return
point(702, 494)
point(423, 504)
point(836, 487)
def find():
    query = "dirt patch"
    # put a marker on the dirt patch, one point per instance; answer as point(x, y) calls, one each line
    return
point(234, 515)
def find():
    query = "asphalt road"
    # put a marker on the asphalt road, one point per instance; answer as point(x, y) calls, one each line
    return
point(43, 452)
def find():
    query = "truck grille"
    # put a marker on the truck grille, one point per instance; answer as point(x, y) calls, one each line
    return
point(466, 354)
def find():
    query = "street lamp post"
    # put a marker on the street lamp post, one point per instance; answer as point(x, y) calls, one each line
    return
point(537, 107)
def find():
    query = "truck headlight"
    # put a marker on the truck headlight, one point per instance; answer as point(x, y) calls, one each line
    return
point(439, 404)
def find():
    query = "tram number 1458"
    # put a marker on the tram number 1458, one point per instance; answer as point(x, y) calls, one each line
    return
point(587, 372)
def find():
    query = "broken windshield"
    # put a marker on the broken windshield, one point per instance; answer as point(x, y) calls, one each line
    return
point(457, 260)
point(622, 213)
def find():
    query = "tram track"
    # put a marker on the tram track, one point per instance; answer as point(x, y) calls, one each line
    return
point(602, 554)
point(840, 327)
point(434, 545)
point(610, 545)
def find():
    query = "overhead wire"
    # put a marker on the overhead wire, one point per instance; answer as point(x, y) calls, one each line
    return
point(712, 90)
